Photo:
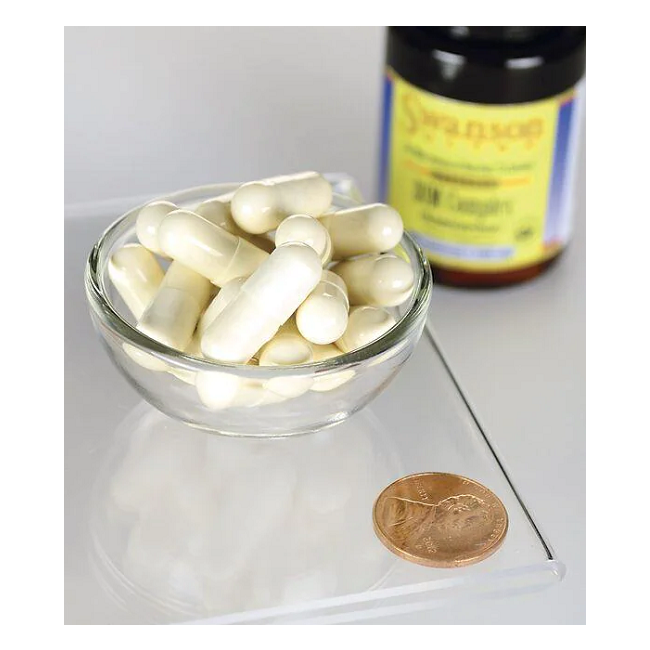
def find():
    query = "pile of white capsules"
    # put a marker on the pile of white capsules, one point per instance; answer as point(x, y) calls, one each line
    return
point(296, 281)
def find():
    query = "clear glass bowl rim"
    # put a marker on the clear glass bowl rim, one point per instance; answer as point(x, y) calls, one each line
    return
point(112, 319)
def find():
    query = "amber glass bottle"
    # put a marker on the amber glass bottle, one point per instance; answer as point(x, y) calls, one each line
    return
point(480, 137)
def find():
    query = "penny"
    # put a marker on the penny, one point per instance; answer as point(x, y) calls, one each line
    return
point(440, 520)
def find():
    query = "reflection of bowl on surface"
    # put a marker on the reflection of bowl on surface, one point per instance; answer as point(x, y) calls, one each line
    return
point(330, 390)
point(187, 525)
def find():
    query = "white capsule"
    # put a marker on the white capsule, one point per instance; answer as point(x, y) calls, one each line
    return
point(148, 224)
point(216, 389)
point(372, 228)
point(261, 206)
point(305, 229)
point(173, 313)
point(144, 359)
point(147, 360)
point(219, 303)
point(266, 301)
point(365, 325)
point(136, 275)
point(221, 390)
point(254, 394)
point(323, 316)
point(217, 211)
point(193, 349)
point(287, 348)
point(186, 376)
point(227, 197)
point(207, 249)
point(326, 382)
point(380, 280)
point(323, 352)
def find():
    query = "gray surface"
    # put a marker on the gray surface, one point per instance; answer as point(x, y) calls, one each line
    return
point(518, 353)
point(519, 356)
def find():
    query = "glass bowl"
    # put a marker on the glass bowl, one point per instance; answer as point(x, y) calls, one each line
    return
point(270, 401)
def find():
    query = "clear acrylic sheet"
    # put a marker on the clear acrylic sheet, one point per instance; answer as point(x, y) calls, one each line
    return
point(182, 526)
point(187, 526)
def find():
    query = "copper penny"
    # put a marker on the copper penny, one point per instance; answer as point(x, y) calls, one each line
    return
point(440, 520)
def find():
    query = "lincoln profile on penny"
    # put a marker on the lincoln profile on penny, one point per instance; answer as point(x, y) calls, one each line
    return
point(455, 515)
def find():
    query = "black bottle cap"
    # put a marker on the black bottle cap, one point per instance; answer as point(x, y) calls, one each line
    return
point(489, 65)
point(493, 34)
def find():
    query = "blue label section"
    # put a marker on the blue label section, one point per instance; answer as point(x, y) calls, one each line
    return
point(556, 206)
point(385, 138)
point(464, 251)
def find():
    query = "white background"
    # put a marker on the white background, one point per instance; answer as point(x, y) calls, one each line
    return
point(150, 110)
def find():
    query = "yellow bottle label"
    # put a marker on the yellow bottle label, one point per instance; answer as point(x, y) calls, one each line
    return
point(482, 187)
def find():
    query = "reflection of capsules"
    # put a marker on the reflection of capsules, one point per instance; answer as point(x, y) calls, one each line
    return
point(196, 525)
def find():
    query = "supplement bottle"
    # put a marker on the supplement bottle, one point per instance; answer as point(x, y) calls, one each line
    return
point(479, 144)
